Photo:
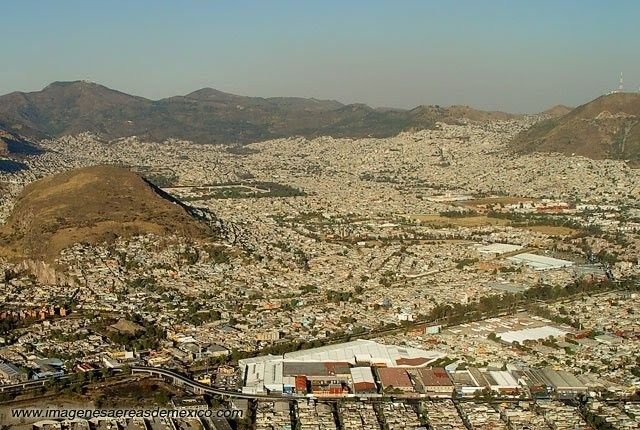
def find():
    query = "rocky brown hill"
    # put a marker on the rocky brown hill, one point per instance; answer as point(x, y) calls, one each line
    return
point(607, 127)
point(12, 145)
point(13, 149)
point(557, 110)
point(92, 205)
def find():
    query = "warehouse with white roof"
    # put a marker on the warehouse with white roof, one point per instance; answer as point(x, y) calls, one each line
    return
point(498, 248)
point(369, 352)
point(265, 374)
point(532, 334)
point(540, 262)
point(501, 381)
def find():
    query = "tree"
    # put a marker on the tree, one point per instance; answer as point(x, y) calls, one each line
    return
point(161, 397)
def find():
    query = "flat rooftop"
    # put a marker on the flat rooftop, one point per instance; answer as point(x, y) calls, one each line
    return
point(540, 262)
point(498, 248)
point(537, 333)
point(367, 351)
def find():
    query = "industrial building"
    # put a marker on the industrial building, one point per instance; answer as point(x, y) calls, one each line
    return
point(558, 383)
point(472, 381)
point(367, 352)
point(318, 377)
point(363, 380)
point(501, 381)
point(11, 373)
point(262, 374)
point(366, 367)
point(540, 262)
point(498, 248)
point(534, 381)
point(433, 382)
point(533, 334)
point(329, 370)
point(394, 378)
point(565, 385)
point(466, 384)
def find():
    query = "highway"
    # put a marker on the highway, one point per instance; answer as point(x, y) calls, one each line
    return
point(198, 387)
point(30, 385)
point(24, 386)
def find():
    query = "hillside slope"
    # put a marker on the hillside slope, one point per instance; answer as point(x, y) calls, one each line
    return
point(556, 111)
point(607, 127)
point(12, 145)
point(93, 205)
point(13, 150)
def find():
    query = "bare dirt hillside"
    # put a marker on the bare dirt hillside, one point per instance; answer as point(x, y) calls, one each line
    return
point(607, 127)
point(93, 205)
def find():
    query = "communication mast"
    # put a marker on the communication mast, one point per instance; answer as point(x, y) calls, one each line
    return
point(621, 87)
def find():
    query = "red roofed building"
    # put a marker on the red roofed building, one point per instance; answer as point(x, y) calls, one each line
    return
point(363, 380)
point(394, 378)
point(435, 382)
point(301, 384)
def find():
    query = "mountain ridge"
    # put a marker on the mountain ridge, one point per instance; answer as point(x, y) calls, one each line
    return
point(206, 115)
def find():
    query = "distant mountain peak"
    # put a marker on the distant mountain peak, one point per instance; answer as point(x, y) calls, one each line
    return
point(84, 87)
point(67, 84)
point(557, 110)
point(209, 93)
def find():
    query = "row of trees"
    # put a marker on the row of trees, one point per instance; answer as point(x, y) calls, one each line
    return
point(451, 314)
point(458, 313)
point(531, 219)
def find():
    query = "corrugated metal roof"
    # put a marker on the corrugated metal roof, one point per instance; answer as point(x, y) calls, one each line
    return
point(435, 377)
point(347, 352)
point(536, 333)
point(503, 378)
point(362, 374)
point(540, 262)
point(9, 370)
point(498, 248)
point(562, 380)
point(394, 377)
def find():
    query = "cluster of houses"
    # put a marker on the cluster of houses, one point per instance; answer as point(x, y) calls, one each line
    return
point(40, 313)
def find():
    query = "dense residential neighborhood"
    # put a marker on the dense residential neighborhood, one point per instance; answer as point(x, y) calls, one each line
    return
point(417, 244)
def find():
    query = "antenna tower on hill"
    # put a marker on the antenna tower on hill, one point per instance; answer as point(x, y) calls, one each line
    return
point(621, 86)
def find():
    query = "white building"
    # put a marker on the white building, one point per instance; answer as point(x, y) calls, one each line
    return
point(261, 374)
point(539, 262)
point(532, 334)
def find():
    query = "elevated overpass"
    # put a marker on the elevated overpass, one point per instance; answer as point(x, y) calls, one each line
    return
point(179, 380)
point(22, 386)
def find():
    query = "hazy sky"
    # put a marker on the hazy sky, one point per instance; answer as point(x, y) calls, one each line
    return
point(513, 55)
